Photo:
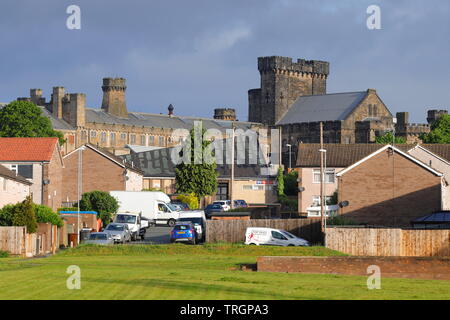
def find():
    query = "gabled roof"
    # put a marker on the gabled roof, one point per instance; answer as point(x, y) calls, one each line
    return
point(435, 218)
point(8, 174)
point(338, 155)
point(27, 149)
point(440, 150)
point(105, 153)
point(397, 150)
point(327, 107)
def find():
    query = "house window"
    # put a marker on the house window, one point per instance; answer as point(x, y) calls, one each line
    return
point(24, 170)
point(151, 140)
point(103, 137)
point(329, 176)
point(123, 136)
point(161, 141)
point(112, 138)
point(133, 139)
point(4, 184)
point(93, 134)
point(143, 140)
point(316, 201)
point(247, 187)
point(83, 135)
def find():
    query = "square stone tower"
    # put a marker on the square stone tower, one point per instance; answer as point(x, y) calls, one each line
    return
point(114, 97)
point(282, 83)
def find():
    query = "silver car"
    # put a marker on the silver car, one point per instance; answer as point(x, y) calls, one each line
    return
point(119, 232)
point(100, 238)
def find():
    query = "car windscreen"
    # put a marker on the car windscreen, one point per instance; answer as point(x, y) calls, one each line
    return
point(115, 227)
point(287, 234)
point(98, 236)
point(125, 218)
point(193, 220)
point(173, 207)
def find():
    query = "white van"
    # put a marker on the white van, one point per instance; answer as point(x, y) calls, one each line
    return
point(197, 218)
point(133, 221)
point(273, 237)
point(153, 205)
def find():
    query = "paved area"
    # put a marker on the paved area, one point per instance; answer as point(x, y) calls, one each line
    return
point(155, 235)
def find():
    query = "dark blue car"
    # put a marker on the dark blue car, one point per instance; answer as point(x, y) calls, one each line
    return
point(183, 232)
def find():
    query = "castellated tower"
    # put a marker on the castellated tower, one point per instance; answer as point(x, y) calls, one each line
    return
point(114, 97)
point(57, 97)
point(225, 114)
point(282, 83)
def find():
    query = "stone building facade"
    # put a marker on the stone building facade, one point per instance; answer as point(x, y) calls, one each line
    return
point(412, 131)
point(113, 126)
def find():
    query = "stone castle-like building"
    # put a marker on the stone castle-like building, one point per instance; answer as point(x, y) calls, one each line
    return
point(292, 96)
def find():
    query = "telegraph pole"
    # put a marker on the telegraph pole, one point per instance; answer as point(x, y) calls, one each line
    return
point(322, 180)
point(232, 168)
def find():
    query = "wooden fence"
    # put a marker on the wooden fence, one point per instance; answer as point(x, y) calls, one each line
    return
point(389, 242)
point(17, 241)
point(234, 230)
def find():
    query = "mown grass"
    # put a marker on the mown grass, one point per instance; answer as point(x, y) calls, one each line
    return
point(191, 272)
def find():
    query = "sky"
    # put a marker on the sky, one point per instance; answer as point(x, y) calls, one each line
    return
point(202, 54)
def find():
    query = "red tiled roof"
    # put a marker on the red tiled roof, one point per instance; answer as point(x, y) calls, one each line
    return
point(27, 149)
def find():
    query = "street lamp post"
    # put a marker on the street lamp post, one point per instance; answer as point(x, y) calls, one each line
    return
point(290, 163)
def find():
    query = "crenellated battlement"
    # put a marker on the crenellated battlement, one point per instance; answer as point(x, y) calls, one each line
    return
point(277, 63)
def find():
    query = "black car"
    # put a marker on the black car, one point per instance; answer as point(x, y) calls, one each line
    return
point(213, 208)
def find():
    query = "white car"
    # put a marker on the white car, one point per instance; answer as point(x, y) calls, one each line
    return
point(273, 237)
point(225, 204)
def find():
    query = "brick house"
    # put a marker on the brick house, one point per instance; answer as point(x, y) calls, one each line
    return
point(38, 160)
point(101, 170)
point(339, 157)
point(13, 188)
point(389, 187)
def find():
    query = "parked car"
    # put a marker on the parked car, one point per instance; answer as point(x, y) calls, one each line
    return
point(273, 237)
point(213, 208)
point(240, 204)
point(119, 232)
point(225, 204)
point(100, 238)
point(133, 221)
point(183, 232)
point(198, 219)
point(184, 206)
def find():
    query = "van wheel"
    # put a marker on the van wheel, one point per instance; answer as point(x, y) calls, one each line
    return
point(171, 223)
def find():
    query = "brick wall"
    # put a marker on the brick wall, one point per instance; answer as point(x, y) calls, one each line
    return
point(389, 190)
point(53, 171)
point(99, 173)
point(391, 267)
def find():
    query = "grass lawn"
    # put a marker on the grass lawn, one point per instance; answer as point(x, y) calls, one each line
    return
point(191, 272)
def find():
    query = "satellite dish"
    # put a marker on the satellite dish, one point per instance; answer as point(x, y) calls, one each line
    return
point(344, 204)
point(301, 189)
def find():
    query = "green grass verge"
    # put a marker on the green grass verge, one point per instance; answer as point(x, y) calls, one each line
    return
point(191, 272)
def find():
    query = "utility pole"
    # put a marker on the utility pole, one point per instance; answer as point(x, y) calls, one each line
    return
point(232, 167)
point(79, 182)
point(322, 180)
point(290, 153)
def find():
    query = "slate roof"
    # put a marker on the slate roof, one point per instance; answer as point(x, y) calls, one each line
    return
point(27, 149)
point(57, 124)
point(338, 155)
point(8, 174)
point(161, 120)
point(326, 107)
point(158, 163)
point(441, 150)
point(435, 218)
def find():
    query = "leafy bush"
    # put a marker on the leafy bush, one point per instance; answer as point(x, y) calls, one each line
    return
point(102, 202)
point(291, 184)
point(290, 204)
point(4, 254)
point(66, 209)
point(24, 215)
point(152, 189)
point(280, 182)
point(6, 215)
point(45, 214)
point(341, 221)
point(190, 199)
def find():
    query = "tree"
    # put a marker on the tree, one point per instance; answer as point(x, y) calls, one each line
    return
point(23, 215)
point(102, 202)
point(388, 138)
point(193, 178)
point(440, 131)
point(45, 214)
point(291, 183)
point(280, 182)
point(25, 119)
point(190, 199)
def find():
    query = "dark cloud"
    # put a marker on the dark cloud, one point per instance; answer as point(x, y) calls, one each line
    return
point(201, 54)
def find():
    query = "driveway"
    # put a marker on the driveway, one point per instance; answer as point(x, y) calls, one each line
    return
point(156, 235)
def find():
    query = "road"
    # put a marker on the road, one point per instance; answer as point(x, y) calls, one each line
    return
point(155, 235)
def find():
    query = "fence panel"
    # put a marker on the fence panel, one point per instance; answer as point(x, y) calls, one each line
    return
point(234, 230)
point(389, 242)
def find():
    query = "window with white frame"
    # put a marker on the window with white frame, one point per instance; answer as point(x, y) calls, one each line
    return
point(133, 139)
point(143, 140)
point(329, 176)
